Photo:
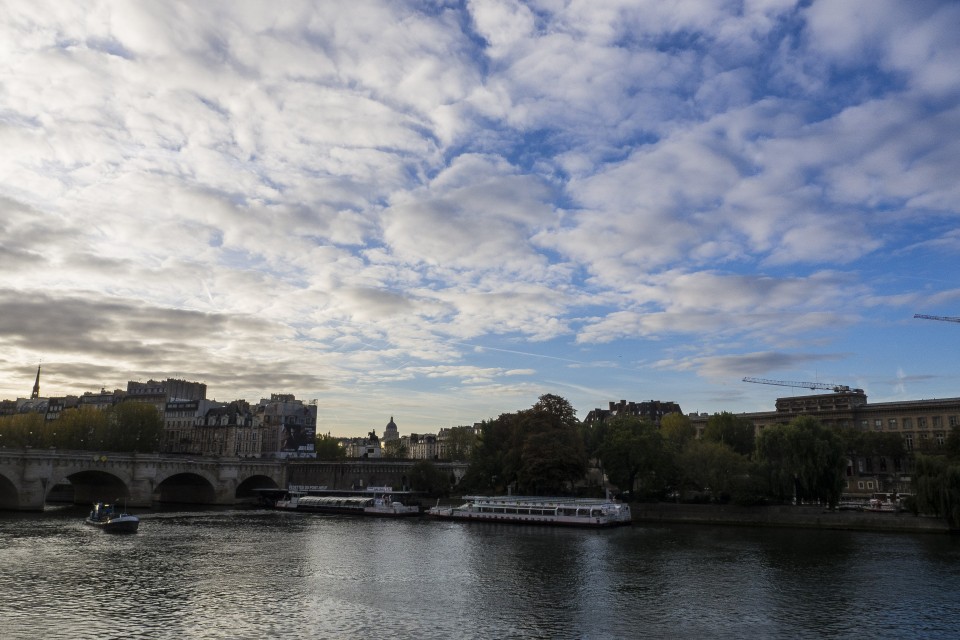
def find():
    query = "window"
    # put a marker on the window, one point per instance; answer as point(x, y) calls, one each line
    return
point(954, 422)
point(939, 437)
point(908, 441)
point(878, 424)
point(883, 464)
point(921, 423)
point(860, 485)
point(863, 424)
point(869, 485)
point(908, 423)
point(892, 424)
point(936, 421)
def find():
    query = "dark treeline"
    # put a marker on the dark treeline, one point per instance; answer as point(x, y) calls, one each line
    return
point(125, 427)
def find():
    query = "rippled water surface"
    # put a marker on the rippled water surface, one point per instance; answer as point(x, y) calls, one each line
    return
point(258, 574)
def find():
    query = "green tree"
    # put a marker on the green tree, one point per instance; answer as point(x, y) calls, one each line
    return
point(936, 484)
point(737, 433)
point(395, 450)
point(459, 443)
point(633, 451)
point(677, 430)
point(426, 477)
point(535, 450)
point(713, 467)
point(807, 453)
point(552, 457)
point(23, 430)
point(134, 426)
point(328, 447)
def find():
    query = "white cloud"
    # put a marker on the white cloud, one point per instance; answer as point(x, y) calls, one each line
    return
point(360, 199)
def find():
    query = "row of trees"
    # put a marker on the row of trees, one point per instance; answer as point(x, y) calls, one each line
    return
point(128, 426)
point(545, 449)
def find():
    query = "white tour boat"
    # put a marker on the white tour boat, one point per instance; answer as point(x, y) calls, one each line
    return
point(573, 512)
point(376, 501)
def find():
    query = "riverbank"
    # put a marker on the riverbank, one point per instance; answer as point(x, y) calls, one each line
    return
point(808, 517)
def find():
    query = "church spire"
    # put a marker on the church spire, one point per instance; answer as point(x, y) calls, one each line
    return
point(36, 386)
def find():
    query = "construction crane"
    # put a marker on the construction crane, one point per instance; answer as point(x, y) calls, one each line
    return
point(838, 388)
point(944, 318)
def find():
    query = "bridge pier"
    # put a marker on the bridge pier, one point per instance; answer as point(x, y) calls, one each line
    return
point(32, 494)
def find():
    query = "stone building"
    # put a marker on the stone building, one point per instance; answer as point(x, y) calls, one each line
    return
point(180, 421)
point(159, 393)
point(652, 411)
point(390, 432)
point(290, 426)
point(229, 430)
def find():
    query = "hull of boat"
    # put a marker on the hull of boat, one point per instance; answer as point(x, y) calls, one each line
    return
point(116, 525)
point(551, 521)
point(385, 512)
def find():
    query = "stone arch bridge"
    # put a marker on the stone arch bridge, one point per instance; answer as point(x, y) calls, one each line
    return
point(29, 477)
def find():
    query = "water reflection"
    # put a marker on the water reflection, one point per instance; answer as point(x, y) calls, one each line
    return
point(241, 574)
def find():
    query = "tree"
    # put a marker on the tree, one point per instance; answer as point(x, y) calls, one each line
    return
point(75, 427)
point(807, 453)
point(395, 450)
point(677, 430)
point(23, 430)
point(633, 450)
point(738, 433)
point(459, 443)
point(426, 477)
point(134, 426)
point(937, 488)
point(328, 447)
point(535, 450)
point(713, 467)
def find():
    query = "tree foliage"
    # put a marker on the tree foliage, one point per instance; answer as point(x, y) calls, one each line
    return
point(459, 443)
point(633, 454)
point(328, 447)
point(426, 477)
point(535, 451)
point(736, 433)
point(936, 483)
point(126, 427)
point(713, 467)
point(805, 455)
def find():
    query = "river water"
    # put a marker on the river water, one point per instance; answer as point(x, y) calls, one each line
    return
point(262, 574)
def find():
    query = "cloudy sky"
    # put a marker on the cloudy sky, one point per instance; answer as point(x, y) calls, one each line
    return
point(439, 211)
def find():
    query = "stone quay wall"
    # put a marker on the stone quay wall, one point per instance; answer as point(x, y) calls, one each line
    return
point(811, 517)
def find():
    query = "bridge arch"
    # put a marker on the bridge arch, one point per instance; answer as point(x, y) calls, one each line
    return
point(247, 490)
point(93, 485)
point(186, 487)
point(9, 495)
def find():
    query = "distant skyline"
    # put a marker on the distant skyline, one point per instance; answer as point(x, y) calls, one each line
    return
point(441, 211)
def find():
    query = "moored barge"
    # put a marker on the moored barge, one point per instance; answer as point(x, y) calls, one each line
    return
point(570, 512)
point(376, 501)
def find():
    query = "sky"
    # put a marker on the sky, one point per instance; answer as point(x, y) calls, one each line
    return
point(440, 211)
